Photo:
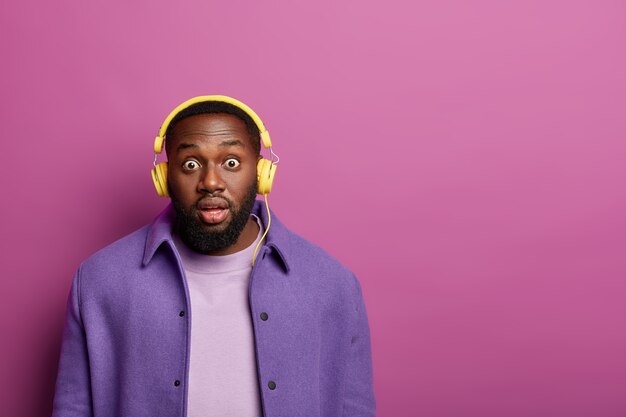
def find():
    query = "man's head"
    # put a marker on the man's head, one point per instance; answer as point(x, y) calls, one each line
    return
point(212, 178)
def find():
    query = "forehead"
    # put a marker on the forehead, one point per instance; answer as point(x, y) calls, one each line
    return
point(209, 125)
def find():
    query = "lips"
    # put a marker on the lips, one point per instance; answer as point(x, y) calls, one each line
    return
point(213, 210)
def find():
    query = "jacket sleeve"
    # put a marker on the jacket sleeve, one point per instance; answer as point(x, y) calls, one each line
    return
point(72, 396)
point(359, 391)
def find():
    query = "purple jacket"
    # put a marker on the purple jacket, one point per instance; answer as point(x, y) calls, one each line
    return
point(126, 340)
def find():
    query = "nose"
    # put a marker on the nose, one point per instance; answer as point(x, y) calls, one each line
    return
point(211, 181)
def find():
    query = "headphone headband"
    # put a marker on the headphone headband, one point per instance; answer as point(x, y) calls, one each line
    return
point(265, 135)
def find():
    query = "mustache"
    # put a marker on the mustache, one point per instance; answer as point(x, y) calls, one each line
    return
point(212, 200)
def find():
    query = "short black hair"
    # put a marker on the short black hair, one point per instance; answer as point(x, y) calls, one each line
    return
point(217, 107)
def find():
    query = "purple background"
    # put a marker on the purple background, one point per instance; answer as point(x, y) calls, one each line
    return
point(464, 158)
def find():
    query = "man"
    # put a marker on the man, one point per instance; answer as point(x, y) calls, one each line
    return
point(216, 308)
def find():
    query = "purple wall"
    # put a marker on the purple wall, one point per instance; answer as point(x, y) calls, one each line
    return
point(465, 159)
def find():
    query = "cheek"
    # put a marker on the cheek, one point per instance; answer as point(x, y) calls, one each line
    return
point(240, 186)
point(244, 182)
point(182, 186)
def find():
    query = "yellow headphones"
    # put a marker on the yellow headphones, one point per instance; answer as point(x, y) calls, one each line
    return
point(266, 169)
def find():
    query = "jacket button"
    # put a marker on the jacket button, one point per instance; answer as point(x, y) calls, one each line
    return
point(176, 383)
point(272, 385)
point(182, 313)
point(264, 316)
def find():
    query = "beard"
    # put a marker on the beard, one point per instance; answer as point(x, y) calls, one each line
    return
point(203, 240)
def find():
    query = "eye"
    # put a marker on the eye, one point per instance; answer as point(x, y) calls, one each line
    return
point(191, 165)
point(232, 163)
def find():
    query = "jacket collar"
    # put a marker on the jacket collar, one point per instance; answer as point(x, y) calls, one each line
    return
point(277, 239)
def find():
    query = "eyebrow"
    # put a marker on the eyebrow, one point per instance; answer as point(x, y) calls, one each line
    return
point(185, 146)
point(235, 142)
point(224, 144)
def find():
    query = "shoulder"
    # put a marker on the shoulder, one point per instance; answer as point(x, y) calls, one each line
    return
point(129, 252)
point(309, 255)
point(119, 257)
point(302, 258)
point(309, 261)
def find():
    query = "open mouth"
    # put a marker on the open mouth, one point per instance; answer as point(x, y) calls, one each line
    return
point(213, 215)
point(213, 210)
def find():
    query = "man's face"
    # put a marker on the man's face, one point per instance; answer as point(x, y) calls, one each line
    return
point(212, 182)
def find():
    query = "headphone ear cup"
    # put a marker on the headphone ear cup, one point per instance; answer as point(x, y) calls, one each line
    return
point(265, 170)
point(159, 177)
